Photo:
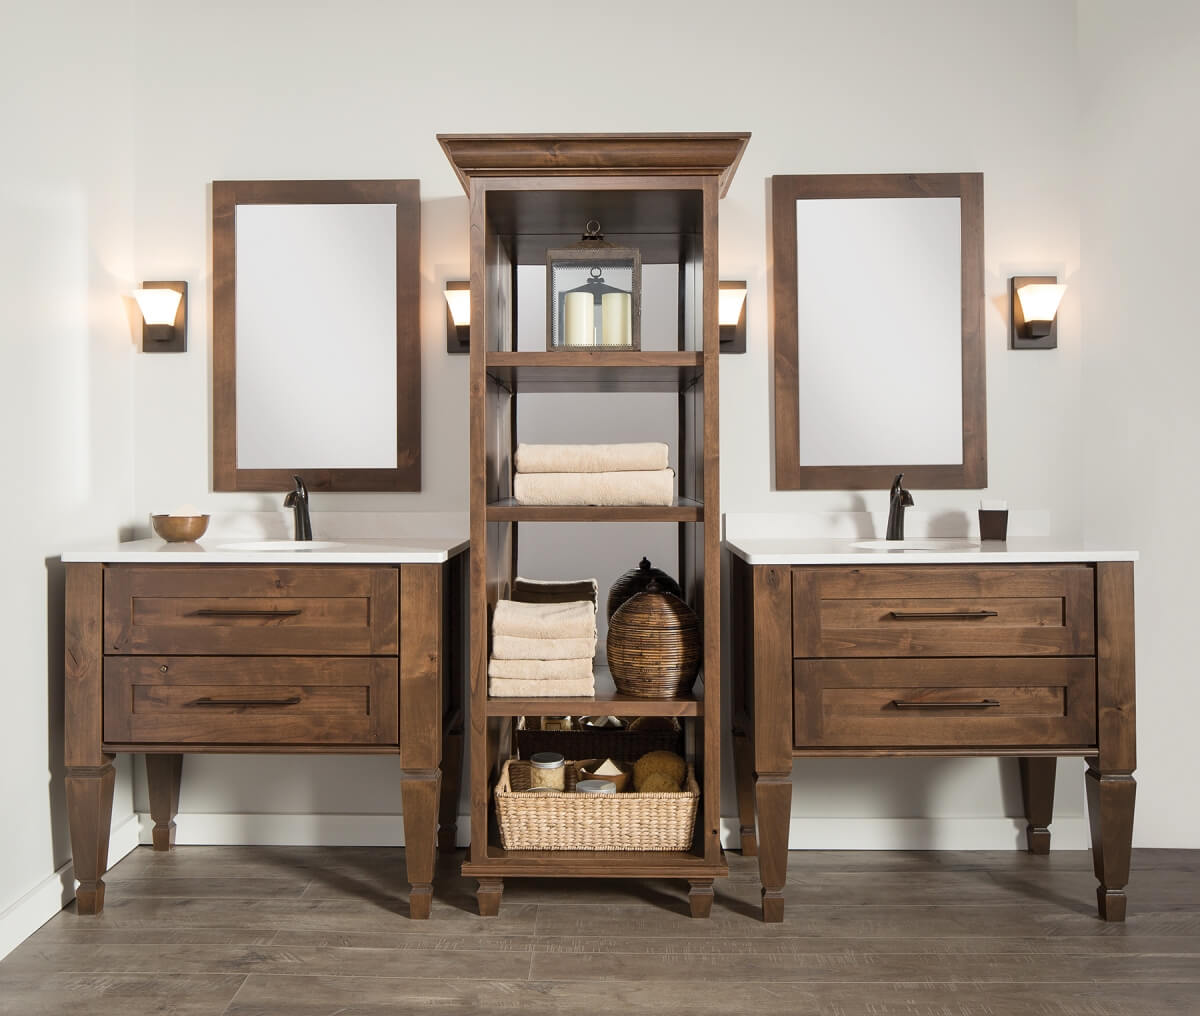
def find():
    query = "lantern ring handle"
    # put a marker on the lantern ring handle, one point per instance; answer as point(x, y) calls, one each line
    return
point(592, 227)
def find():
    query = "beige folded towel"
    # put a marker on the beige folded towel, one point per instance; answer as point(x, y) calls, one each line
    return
point(644, 487)
point(541, 670)
point(590, 458)
point(500, 687)
point(511, 647)
point(573, 620)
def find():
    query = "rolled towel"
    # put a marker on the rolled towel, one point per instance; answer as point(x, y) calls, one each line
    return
point(511, 647)
point(500, 687)
point(553, 590)
point(590, 458)
point(541, 670)
point(573, 620)
point(645, 487)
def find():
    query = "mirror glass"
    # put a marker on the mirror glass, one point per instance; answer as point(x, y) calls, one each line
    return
point(316, 280)
point(879, 336)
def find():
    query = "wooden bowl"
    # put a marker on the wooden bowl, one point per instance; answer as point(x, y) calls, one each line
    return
point(587, 771)
point(179, 528)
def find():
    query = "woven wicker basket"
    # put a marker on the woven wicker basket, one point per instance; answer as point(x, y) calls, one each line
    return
point(654, 646)
point(569, 821)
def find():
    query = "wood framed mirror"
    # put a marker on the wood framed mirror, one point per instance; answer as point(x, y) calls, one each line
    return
point(876, 288)
point(316, 337)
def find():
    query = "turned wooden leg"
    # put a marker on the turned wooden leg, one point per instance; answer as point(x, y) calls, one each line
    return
point(743, 777)
point(163, 775)
point(420, 792)
point(1110, 815)
point(488, 896)
point(700, 896)
point(1037, 791)
point(89, 811)
point(773, 795)
point(452, 763)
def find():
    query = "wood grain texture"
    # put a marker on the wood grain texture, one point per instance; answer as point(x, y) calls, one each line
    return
point(227, 195)
point(89, 813)
point(1037, 796)
point(83, 663)
point(164, 773)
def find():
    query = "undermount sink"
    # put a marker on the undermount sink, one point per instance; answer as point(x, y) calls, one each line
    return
point(288, 545)
point(928, 544)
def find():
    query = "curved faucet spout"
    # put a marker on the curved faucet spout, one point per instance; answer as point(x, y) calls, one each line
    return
point(297, 500)
point(899, 500)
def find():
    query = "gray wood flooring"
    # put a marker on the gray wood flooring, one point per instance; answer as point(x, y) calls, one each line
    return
point(251, 931)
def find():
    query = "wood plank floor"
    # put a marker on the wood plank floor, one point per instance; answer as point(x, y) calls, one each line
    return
point(261, 931)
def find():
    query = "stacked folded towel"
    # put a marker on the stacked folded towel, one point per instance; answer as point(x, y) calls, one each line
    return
point(542, 649)
point(606, 474)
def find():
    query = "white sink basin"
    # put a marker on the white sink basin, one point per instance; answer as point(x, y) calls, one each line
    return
point(288, 545)
point(929, 544)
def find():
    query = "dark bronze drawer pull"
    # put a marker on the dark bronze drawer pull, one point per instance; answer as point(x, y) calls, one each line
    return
point(217, 612)
point(953, 615)
point(987, 703)
point(293, 701)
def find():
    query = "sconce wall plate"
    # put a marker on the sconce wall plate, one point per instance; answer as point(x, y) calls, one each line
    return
point(458, 336)
point(732, 332)
point(1020, 334)
point(164, 338)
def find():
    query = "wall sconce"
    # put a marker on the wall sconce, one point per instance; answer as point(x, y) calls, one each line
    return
point(1034, 301)
point(458, 317)
point(164, 316)
point(731, 315)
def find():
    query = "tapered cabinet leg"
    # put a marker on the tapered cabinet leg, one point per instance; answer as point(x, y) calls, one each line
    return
point(420, 794)
point(1110, 814)
point(700, 896)
point(163, 776)
point(743, 774)
point(488, 896)
point(773, 796)
point(1037, 791)
point(452, 763)
point(89, 811)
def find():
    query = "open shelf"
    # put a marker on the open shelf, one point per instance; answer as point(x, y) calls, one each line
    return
point(602, 704)
point(595, 370)
point(508, 510)
point(593, 864)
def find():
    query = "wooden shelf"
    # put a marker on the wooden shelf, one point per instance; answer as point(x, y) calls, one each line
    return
point(593, 864)
point(508, 510)
point(602, 704)
point(595, 370)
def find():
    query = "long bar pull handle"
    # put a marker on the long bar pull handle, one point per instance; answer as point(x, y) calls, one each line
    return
point(941, 615)
point(987, 703)
point(218, 612)
point(206, 701)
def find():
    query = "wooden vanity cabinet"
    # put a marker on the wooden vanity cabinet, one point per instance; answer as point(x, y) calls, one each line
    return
point(169, 659)
point(1027, 660)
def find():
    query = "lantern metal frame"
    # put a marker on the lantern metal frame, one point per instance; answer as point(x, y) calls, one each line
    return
point(594, 250)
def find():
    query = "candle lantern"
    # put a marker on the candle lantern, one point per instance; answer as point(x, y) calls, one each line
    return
point(594, 294)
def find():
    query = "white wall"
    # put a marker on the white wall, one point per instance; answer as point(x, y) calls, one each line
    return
point(1139, 77)
point(66, 255)
point(267, 90)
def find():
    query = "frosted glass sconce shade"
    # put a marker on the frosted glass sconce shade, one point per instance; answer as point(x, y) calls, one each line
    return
point(458, 316)
point(731, 315)
point(164, 316)
point(1033, 308)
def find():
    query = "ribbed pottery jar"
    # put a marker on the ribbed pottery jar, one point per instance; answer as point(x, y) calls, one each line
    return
point(638, 580)
point(654, 646)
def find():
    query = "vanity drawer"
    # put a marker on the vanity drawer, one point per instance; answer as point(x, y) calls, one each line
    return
point(257, 610)
point(943, 610)
point(251, 701)
point(944, 703)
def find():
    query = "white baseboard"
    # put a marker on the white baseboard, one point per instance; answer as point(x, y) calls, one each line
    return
point(1066, 833)
point(48, 897)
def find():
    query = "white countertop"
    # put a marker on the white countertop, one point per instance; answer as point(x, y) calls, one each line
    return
point(219, 550)
point(1026, 550)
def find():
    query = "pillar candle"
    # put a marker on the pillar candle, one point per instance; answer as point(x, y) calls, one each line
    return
point(579, 326)
point(616, 312)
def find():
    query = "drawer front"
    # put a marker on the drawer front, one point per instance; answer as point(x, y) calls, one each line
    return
point(250, 701)
point(951, 703)
point(943, 610)
point(258, 610)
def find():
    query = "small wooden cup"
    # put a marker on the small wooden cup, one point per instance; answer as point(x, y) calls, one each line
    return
point(179, 528)
point(993, 523)
point(587, 771)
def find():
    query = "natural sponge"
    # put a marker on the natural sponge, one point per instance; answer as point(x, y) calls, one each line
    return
point(659, 783)
point(665, 762)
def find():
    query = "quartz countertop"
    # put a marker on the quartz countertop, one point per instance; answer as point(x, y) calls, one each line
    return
point(1027, 550)
point(218, 550)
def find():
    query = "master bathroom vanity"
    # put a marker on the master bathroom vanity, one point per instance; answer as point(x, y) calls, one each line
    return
point(354, 647)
